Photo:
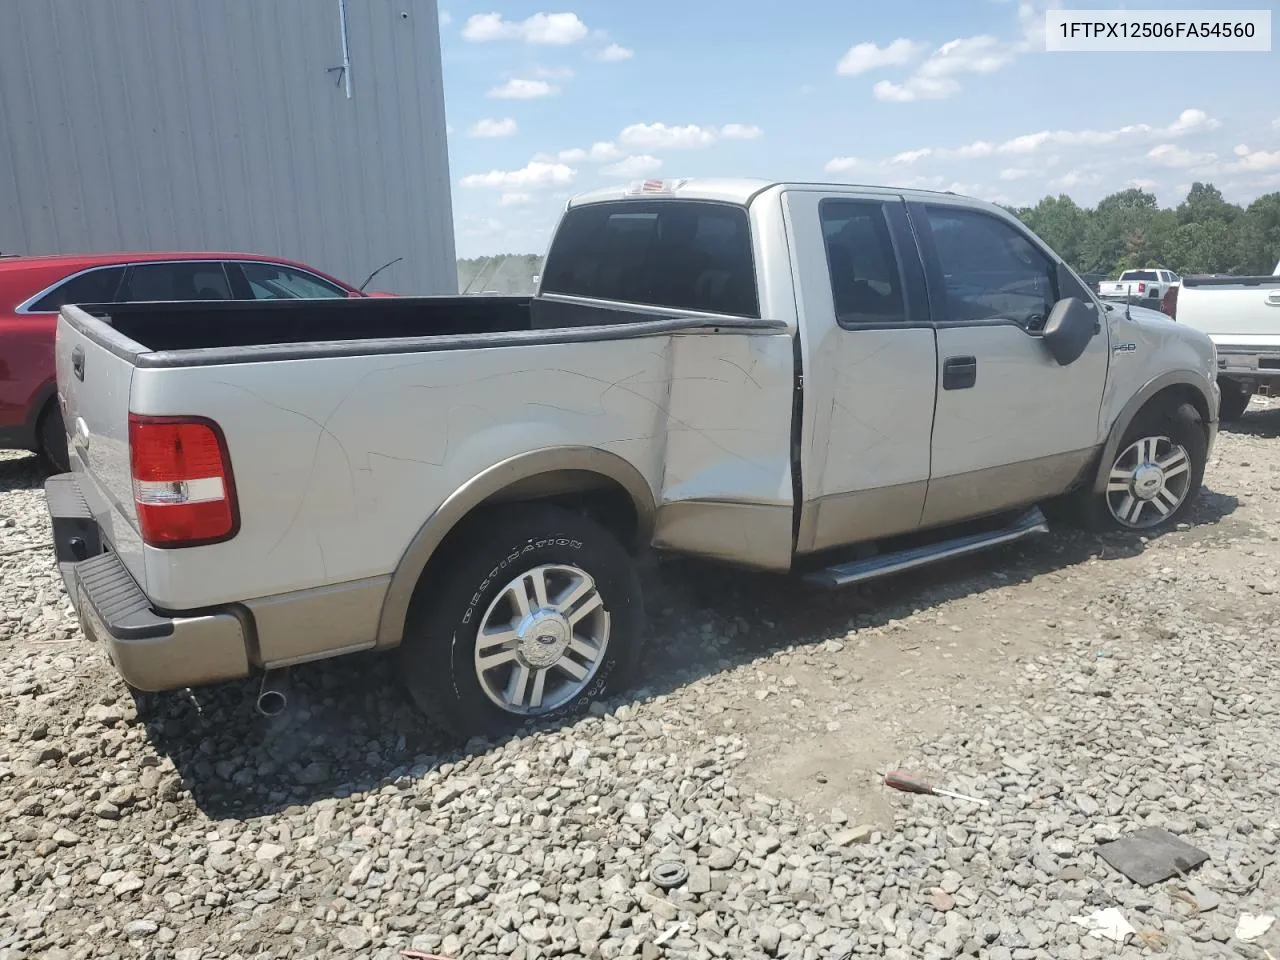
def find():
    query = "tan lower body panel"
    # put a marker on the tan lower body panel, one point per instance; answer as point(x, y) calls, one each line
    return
point(318, 623)
point(846, 518)
point(745, 534)
point(983, 492)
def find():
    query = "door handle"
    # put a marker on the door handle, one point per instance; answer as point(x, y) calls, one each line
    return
point(959, 373)
point(1273, 299)
point(77, 362)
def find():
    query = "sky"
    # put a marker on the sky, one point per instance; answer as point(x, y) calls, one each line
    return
point(544, 102)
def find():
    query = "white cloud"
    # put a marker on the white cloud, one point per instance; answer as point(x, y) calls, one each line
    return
point(632, 167)
point(1141, 183)
point(446, 18)
point(1188, 122)
point(613, 53)
point(935, 78)
point(844, 164)
point(1254, 161)
point(1074, 178)
point(1179, 158)
point(523, 90)
point(659, 136)
point(863, 57)
point(598, 153)
point(487, 128)
point(911, 156)
point(515, 199)
point(1014, 173)
point(553, 73)
point(535, 174)
point(542, 28)
point(1192, 121)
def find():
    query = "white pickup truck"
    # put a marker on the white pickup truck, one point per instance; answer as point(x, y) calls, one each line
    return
point(828, 381)
point(1242, 317)
point(1148, 285)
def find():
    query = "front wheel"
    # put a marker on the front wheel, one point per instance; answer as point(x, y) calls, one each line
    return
point(538, 614)
point(1156, 473)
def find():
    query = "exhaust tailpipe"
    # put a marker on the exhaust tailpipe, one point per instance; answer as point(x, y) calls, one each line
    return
point(272, 695)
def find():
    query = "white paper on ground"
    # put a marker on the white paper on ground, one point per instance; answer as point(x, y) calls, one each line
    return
point(1251, 927)
point(1109, 924)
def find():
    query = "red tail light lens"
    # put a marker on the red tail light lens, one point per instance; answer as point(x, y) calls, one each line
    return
point(182, 482)
point(1169, 304)
point(1142, 288)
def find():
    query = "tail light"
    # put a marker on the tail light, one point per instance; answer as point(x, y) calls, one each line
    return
point(1142, 288)
point(1169, 303)
point(182, 482)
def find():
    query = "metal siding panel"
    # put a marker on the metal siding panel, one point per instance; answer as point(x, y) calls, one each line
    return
point(213, 124)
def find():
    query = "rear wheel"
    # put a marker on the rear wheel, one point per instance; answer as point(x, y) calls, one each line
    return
point(535, 615)
point(52, 437)
point(1155, 475)
point(1235, 400)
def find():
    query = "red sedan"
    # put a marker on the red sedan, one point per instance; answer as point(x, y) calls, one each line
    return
point(33, 289)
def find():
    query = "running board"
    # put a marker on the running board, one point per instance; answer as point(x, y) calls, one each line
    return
point(1030, 524)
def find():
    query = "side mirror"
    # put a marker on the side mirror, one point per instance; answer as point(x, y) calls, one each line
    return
point(1070, 327)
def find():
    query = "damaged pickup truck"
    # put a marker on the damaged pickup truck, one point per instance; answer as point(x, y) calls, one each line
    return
point(828, 381)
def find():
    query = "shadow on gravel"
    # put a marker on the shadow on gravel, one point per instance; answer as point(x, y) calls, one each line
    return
point(1256, 423)
point(19, 472)
point(350, 728)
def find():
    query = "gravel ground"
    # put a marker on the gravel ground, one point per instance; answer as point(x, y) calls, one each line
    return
point(1086, 687)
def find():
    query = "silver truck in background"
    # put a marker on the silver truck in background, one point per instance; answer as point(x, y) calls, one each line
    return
point(826, 381)
point(1242, 317)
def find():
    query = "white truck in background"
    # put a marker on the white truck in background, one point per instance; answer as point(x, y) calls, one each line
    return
point(1144, 285)
point(1242, 317)
point(831, 381)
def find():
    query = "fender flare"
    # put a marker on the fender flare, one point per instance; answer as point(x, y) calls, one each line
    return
point(1174, 378)
point(459, 504)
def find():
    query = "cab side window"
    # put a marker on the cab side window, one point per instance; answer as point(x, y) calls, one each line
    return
point(866, 280)
point(94, 286)
point(990, 270)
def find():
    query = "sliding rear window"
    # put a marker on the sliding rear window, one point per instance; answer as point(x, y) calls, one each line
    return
point(680, 254)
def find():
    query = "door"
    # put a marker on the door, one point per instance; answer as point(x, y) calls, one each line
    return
point(1011, 426)
point(869, 366)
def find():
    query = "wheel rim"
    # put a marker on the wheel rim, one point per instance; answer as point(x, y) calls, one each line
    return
point(1148, 482)
point(542, 640)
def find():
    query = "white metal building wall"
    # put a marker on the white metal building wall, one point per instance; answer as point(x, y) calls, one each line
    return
point(222, 125)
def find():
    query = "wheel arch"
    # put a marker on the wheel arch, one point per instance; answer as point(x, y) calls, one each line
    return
point(549, 474)
point(1174, 386)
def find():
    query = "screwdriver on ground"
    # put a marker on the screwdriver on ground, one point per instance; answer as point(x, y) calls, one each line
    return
point(901, 780)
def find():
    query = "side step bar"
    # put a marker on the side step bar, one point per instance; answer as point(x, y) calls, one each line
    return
point(1030, 524)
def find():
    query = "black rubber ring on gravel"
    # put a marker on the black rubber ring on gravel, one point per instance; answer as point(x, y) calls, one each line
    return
point(668, 874)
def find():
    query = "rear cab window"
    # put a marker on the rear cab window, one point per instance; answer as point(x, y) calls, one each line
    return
point(678, 254)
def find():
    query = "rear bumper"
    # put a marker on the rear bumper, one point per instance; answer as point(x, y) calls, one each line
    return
point(1252, 366)
point(152, 650)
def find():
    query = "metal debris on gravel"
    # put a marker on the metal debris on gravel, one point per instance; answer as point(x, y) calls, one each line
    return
point(1090, 687)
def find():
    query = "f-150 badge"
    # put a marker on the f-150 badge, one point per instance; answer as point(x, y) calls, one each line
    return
point(1125, 348)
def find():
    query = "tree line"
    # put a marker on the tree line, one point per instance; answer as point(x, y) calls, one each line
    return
point(1125, 231)
point(1129, 230)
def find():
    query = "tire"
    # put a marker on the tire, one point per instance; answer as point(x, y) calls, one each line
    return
point(476, 587)
point(1172, 437)
point(1235, 400)
point(52, 437)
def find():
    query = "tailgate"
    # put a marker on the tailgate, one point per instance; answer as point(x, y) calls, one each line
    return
point(95, 371)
